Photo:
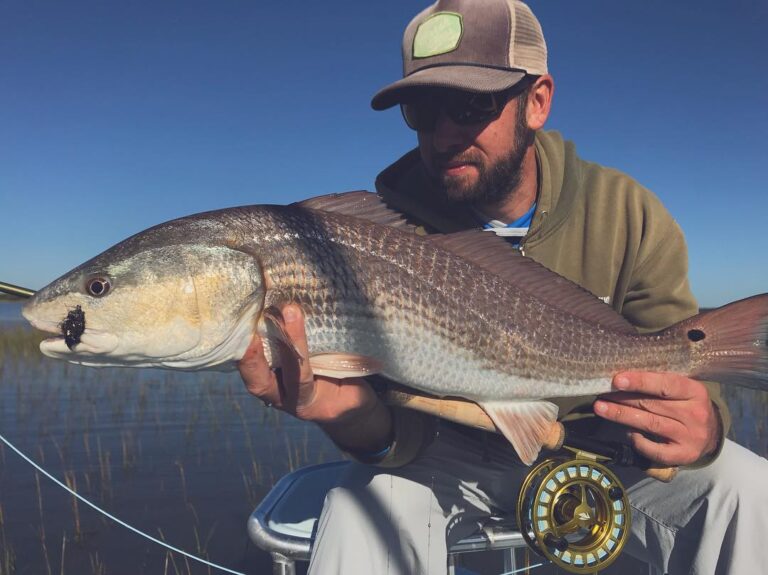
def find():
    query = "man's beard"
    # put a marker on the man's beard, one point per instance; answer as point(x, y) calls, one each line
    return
point(495, 183)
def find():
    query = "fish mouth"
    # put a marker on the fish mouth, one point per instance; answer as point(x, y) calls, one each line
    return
point(71, 340)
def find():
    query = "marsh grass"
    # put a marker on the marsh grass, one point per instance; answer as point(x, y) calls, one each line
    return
point(184, 455)
point(7, 554)
point(43, 538)
point(749, 415)
point(19, 342)
point(71, 482)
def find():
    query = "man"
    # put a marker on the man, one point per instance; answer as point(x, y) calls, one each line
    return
point(477, 91)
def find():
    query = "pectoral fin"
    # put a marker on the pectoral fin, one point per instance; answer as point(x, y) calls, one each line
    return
point(343, 365)
point(526, 424)
point(275, 318)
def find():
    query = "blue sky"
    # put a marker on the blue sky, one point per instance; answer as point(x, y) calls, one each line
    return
point(115, 116)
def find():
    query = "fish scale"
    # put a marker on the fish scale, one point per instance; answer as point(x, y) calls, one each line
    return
point(366, 275)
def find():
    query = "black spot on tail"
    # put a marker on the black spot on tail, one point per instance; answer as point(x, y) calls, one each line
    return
point(696, 335)
point(73, 327)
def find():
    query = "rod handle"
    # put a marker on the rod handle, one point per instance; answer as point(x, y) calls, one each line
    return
point(462, 411)
point(471, 414)
point(663, 474)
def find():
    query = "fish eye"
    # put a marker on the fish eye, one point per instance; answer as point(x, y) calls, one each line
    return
point(97, 287)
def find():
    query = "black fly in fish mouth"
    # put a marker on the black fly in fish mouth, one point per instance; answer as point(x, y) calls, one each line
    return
point(73, 327)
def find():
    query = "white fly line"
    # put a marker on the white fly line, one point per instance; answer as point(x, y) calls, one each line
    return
point(153, 539)
point(112, 517)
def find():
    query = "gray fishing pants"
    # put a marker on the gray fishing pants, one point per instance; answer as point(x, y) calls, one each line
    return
point(401, 521)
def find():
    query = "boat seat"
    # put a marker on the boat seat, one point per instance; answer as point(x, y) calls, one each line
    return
point(283, 523)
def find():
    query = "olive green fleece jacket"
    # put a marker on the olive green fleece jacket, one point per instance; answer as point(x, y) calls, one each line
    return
point(594, 225)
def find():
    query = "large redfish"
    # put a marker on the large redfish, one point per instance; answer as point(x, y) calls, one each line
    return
point(455, 315)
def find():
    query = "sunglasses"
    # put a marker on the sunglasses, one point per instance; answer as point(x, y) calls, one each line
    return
point(423, 109)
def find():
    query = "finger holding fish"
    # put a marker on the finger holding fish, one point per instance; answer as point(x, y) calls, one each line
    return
point(347, 409)
point(257, 376)
point(292, 387)
point(672, 419)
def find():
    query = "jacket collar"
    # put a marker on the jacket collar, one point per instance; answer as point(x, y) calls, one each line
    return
point(405, 187)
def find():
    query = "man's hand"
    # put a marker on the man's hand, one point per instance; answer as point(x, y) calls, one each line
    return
point(348, 410)
point(672, 418)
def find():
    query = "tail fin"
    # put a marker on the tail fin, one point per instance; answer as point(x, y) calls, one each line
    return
point(731, 343)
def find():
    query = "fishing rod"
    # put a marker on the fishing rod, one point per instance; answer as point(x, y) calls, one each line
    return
point(15, 290)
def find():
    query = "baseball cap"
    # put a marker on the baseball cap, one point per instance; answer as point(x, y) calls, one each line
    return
point(475, 45)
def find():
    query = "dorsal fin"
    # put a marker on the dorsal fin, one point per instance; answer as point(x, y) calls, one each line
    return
point(496, 255)
point(360, 204)
point(487, 250)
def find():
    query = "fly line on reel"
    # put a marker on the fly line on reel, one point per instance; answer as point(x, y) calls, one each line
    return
point(574, 512)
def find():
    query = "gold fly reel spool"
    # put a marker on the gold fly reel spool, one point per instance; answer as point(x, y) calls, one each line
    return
point(575, 513)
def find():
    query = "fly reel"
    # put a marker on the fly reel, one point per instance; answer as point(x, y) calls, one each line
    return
point(574, 512)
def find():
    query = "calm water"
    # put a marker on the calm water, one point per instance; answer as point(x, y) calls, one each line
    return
point(10, 312)
point(184, 457)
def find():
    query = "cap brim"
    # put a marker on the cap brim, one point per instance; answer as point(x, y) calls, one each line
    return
point(472, 78)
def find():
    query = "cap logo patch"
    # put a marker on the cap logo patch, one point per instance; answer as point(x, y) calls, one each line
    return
point(438, 34)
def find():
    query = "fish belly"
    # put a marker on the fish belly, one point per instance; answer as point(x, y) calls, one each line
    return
point(427, 361)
